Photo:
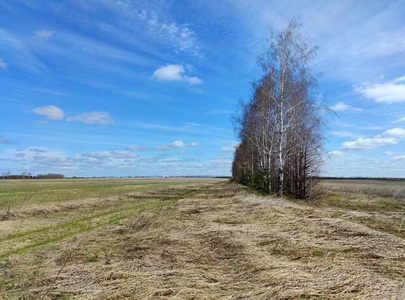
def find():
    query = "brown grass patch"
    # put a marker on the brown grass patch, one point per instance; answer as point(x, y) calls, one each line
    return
point(216, 243)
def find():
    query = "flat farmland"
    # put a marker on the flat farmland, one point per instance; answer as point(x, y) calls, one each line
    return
point(198, 238)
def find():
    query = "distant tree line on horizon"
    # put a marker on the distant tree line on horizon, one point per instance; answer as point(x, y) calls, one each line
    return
point(280, 128)
point(24, 175)
point(361, 178)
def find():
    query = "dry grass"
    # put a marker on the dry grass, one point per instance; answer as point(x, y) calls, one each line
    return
point(216, 242)
point(375, 203)
point(371, 188)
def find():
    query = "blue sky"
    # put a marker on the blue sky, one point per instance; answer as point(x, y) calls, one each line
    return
point(118, 88)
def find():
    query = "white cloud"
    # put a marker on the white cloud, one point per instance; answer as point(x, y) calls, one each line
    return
point(169, 73)
point(179, 37)
point(230, 148)
point(400, 79)
point(44, 33)
point(390, 92)
point(94, 117)
point(175, 73)
point(336, 153)
point(111, 154)
point(388, 153)
point(401, 157)
point(3, 64)
point(368, 143)
point(342, 107)
point(193, 80)
point(174, 145)
point(51, 112)
point(389, 137)
point(33, 154)
point(395, 132)
point(400, 120)
point(178, 144)
point(182, 152)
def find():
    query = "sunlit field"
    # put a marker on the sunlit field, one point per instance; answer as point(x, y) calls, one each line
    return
point(198, 238)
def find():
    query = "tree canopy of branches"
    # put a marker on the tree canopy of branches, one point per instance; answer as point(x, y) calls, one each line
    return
point(280, 128)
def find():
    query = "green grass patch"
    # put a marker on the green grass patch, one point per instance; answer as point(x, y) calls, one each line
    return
point(20, 193)
point(21, 242)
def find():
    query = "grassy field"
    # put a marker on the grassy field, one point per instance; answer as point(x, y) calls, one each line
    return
point(198, 239)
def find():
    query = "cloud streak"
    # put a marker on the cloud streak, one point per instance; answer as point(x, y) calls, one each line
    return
point(174, 145)
point(94, 117)
point(401, 120)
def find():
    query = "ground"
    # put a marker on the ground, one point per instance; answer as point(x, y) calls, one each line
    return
point(200, 239)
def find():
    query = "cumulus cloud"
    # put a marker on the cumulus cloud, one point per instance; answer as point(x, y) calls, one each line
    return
point(368, 143)
point(109, 162)
point(51, 112)
point(94, 117)
point(32, 154)
point(389, 92)
point(345, 107)
point(401, 157)
point(395, 132)
point(44, 33)
point(194, 144)
point(389, 137)
point(178, 144)
point(175, 73)
point(3, 64)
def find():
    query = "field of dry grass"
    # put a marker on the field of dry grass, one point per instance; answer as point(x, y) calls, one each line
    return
point(197, 239)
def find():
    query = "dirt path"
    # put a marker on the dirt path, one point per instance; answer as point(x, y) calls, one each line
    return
point(222, 243)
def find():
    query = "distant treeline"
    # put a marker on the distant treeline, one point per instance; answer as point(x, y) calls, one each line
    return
point(362, 178)
point(24, 175)
point(50, 176)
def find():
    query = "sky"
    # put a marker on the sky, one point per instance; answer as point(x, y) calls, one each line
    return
point(147, 88)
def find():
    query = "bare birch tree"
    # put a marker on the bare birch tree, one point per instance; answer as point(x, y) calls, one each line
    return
point(281, 122)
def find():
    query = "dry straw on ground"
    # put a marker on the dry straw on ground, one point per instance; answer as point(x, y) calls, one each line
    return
point(219, 242)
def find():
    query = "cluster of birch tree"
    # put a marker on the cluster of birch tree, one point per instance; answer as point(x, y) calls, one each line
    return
point(280, 128)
